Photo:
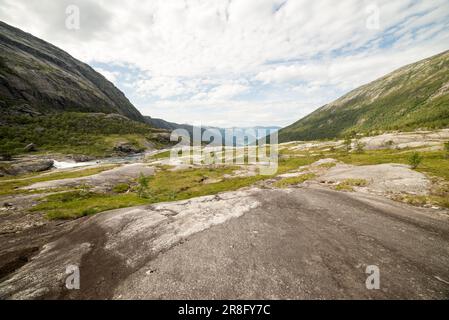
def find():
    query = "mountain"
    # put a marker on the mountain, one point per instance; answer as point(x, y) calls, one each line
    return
point(165, 125)
point(38, 77)
point(412, 97)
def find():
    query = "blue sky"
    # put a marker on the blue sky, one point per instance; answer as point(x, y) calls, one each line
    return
point(241, 62)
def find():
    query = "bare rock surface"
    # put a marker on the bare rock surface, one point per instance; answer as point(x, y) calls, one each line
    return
point(104, 179)
point(432, 140)
point(307, 243)
point(382, 178)
point(407, 140)
point(326, 161)
point(130, 237)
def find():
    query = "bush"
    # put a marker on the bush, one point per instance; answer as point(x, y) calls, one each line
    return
point(389, 144)
point(415, 160)
point(121, 188)
point(143, 186)
point(359, 146)
point(446, 148)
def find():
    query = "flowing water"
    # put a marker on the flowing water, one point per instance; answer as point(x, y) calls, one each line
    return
point(114, 160)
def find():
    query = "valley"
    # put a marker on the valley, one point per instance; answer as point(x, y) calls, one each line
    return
point(94, 186)
point(155, 214)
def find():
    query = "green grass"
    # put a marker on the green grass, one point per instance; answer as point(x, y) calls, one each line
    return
point(159, 156)
point(287, 164)
point(169, 185)
point(349, 184)
point(288, 182)
point(77, 204)
point(164, 186)
point(421, 200)
point(121, 188)
point(10, 186)
point(434, 163)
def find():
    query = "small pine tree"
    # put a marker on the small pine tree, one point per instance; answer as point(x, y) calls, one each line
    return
point(359, 146)
point(348, 143)
point(415, 160)
point(143, 185)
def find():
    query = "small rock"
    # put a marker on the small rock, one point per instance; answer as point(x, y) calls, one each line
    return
point(7, 205)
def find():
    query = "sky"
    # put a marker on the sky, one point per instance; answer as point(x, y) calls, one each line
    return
point(237, 62)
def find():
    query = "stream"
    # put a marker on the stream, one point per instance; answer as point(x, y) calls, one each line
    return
point(113, 160)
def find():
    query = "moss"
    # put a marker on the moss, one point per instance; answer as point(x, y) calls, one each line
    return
point(349, 184)
point(423, 200)
point(121, 188)
point(287, 182)
point(287, 164)
point(79, 204)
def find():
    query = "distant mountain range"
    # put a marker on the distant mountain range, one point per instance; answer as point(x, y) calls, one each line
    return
point(415, 96)
point(238, 132)
point(166, 125)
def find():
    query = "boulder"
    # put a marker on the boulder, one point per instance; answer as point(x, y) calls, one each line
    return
point(127, 148)
point(162, 137)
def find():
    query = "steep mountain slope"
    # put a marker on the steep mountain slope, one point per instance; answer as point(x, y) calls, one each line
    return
point(415, 96)
point(39, 77)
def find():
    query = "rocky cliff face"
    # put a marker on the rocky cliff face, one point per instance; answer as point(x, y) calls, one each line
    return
point(413, 97)
point(37, 77)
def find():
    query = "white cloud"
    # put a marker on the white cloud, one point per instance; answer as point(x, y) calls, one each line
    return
point(251, 52)
point(224, 92)
point(231, 113)
point(281, 74)
point(166, 87)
